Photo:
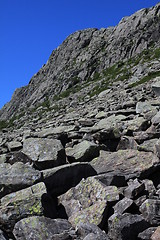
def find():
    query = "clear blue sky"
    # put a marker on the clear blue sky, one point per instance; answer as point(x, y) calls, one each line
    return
point(31, 29)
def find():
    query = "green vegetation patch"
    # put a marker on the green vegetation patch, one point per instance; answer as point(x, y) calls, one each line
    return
point(145, 79)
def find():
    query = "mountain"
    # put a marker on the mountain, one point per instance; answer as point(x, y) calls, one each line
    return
point(87, 55)
point(80, 144)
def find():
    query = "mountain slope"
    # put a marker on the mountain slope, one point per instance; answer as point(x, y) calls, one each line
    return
point(86, 54)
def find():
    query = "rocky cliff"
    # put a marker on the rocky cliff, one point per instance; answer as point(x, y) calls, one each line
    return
point(86, 54)
point(80, 153)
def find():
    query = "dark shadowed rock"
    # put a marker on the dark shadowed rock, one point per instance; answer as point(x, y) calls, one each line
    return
point(109, 179)
point(17, 157)
point(60, 179)
point(126, 226)
point(17, 176)
point(127, 142)
point(45, 153)
point(146, 234)
point(42, 228)
point(129, 163)
point(3, 236)
point(14, 145)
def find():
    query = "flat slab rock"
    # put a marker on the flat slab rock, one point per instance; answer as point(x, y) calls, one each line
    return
point(88, 200)
point(129, 163)
point(17, 176)
point(20, 204)
point(45, 153)
point(42, 228)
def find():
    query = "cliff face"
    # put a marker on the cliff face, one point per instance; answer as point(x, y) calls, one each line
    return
point(87, 53)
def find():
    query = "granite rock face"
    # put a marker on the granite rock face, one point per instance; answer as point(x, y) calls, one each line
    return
point(79, 146)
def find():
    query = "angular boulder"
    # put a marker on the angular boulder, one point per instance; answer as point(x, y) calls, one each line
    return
point(82, 152)
point(129, 163)
point(18, 205)
point(90, 231)
point(14, 145)
point(126, 226)
point(45, 153)
point(150, 211)
point(146, 234)
point(16, 177)
point(39, 227)
point(88, 201)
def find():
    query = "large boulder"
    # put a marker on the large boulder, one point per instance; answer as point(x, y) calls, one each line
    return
point(17, 176)
point(60, 179)
point(45, 153)
point(82, 152)
point(111, 122)
point(38, 227)
point(129, 163)
point(150, 211)
point(146, 109)
point(126, 226)
point(89, 201)
point(18, 205)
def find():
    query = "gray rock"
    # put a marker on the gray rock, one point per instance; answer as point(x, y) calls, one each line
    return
point(146, 234)
point(123, 205)
point(156, 234)
point(150, 211)
point(110, 122)
point(144, 107)
point(88, 200)
point(91, 231)
point(45, 153)
point(82, 152)
point(126, 226)
point(128, 163)
point(134, 189)
point(17, 176)
point(148, 145)
point(60, 179)
point(14, 145)
point(20, 204)
point(156, 119)
point(156, 86)
point(42, 228)
point(127, 143)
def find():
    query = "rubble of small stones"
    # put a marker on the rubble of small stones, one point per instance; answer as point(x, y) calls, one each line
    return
point(89, 171)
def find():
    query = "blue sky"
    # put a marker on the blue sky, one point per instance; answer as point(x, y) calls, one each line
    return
point(31, 29)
